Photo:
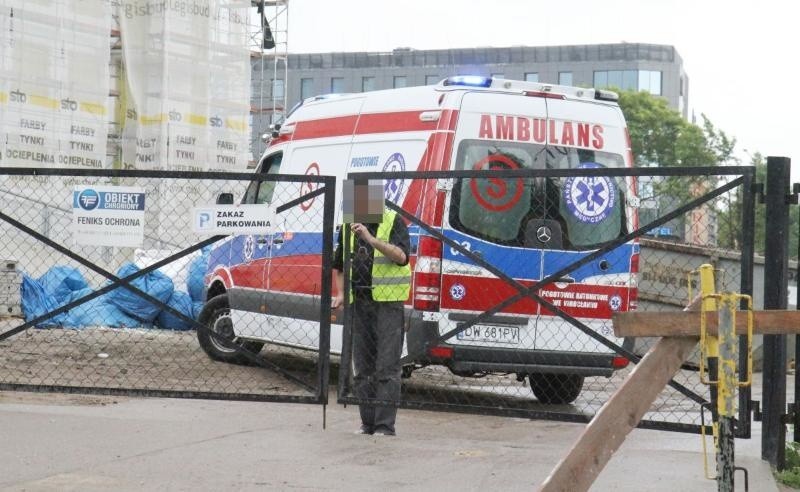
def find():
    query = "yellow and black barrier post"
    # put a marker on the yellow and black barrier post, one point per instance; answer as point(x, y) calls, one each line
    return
point(709, 346)
point(723, 380)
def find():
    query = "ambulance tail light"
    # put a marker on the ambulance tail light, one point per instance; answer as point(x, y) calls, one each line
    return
point(469, 81)
point(619, 362)
point(439, 352)
point(633, 293)
point(428, 274)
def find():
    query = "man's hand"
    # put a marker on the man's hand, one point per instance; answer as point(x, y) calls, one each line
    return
point(337, 301)
point(362, 232)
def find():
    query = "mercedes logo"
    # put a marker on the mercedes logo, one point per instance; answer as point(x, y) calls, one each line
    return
point(544, 234)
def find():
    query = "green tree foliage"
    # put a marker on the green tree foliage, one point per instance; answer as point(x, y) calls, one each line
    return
point(660, 136)
point(730, 217)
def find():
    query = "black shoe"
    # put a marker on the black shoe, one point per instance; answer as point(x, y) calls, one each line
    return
point(364, 430)
point(384, 432)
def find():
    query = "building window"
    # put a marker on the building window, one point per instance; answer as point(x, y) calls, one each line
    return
point(306, 88)
point(618, 79)
point(601, 79)
point(337, 85)
point(367, 84)
point(432, 79)
point(531, 77)
point(278, 89)
point(650, 81)
point(565, 78)
point(635, 80)
point(400, 81)
point(628, 79)
point(497, 76)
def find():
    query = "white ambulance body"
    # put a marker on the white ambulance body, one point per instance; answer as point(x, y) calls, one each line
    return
point(528, 228)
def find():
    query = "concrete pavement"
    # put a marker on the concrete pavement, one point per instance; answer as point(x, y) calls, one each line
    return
point(51, 442)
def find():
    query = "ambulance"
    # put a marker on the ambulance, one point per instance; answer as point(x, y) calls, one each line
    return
point(266, 289)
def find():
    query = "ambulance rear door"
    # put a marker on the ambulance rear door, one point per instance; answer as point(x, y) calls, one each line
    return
point(590, 212)
point(494, 218)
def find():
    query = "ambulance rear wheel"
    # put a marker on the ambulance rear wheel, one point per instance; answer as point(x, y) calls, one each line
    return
point(556, 388)
point(226, 347)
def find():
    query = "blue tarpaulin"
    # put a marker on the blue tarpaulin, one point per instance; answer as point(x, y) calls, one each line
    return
point(119, 308)
point(181, 302)
point(154, 283)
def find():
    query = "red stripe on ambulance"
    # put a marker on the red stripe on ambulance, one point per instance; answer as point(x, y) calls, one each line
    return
point(579, 300)
point(366, 124)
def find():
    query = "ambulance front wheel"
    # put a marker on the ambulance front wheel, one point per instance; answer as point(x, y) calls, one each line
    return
point(225, 347)
point(556, 388)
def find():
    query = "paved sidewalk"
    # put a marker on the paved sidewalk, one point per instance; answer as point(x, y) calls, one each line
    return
point(54, 442)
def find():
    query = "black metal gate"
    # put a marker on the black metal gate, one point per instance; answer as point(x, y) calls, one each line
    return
point(135, 320)
point(510, 307)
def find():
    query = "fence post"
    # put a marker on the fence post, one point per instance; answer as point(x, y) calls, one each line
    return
point(776, 267)
point(743, 428)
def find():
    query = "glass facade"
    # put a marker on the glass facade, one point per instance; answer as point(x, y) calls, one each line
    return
point(432, 79)
point(278, 87)
point(306, 88)
point(400, 81)
point(337, 85)
point(564, 78)
point(650, 81)
point(638, 80)
point(531, 77)
point(368, 84)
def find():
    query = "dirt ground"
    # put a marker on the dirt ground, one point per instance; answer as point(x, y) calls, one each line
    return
point(98, 360)
point(137, 359)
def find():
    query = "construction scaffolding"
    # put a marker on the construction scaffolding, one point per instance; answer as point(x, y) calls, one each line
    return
point(53, 83)
point(269, 45)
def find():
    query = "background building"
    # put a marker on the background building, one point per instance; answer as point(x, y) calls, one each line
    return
point(654, 68)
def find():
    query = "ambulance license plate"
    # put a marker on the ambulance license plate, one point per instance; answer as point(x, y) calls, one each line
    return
point(492, 334)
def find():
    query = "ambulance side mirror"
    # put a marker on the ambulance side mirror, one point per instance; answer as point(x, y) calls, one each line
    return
point(225, 199)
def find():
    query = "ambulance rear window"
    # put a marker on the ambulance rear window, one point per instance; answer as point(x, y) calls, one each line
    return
point(582, 212)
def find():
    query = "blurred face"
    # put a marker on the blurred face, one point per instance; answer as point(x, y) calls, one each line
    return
point(363, 201)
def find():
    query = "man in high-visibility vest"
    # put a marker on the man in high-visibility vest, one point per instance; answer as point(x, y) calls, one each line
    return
point(380, 280)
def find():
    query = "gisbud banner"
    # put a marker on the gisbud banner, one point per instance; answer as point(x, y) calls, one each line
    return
point(54, 82)
point(187, 64)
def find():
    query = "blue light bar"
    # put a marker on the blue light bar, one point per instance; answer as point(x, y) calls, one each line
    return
point(469, 80)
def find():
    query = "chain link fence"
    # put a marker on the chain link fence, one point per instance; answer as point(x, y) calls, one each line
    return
point(515, 276)
point(111, 286)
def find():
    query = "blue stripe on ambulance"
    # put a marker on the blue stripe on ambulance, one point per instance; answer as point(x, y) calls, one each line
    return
point(616, 261)
point(520, 263)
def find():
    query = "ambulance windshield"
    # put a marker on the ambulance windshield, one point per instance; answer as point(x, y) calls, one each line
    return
point(578, 212)
point(262, 191)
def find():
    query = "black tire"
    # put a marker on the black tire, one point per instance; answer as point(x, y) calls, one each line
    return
point(556, 388)
point(216, 316)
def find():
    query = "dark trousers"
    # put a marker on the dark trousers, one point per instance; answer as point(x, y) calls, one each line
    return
point(377, 346)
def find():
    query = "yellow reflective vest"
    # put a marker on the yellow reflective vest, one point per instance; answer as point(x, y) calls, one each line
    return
point(390, 281)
